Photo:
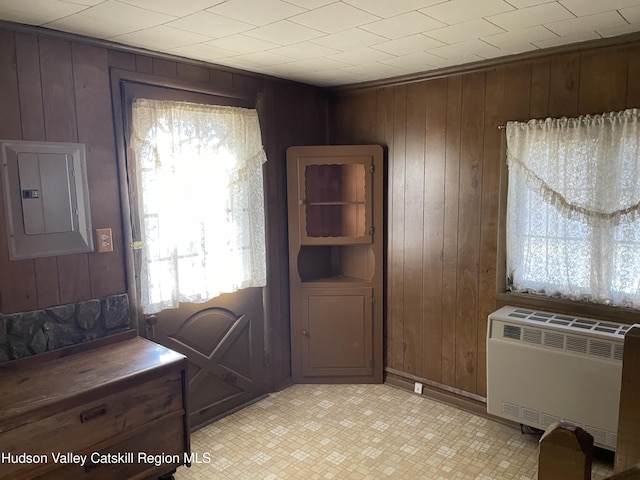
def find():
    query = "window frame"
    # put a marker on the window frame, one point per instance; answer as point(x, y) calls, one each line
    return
point(540, 302)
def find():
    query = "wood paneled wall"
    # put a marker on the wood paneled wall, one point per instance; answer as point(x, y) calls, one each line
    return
point(58, 89)
point(445, 155)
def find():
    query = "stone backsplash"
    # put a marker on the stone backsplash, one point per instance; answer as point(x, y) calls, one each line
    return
point(38, 331)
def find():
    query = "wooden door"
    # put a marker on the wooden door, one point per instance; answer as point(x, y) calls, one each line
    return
point(223, 340)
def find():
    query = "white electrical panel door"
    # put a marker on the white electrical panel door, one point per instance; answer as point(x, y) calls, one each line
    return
point(46, 199)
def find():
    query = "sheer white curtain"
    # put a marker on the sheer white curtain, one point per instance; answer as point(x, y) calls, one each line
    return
point(200, 200)
point(573, 213)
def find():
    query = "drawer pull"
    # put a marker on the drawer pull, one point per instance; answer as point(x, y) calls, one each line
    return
point(92, 414)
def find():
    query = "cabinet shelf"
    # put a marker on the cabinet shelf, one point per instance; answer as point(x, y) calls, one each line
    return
point(336, 279)
point(321, 204)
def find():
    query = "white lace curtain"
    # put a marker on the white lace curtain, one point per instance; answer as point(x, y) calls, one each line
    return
point(200, 199)
point(573, 222)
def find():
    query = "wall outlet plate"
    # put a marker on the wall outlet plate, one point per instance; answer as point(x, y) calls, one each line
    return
point(417, 388)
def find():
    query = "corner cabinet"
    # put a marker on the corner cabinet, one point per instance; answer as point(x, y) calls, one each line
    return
point(335, 197)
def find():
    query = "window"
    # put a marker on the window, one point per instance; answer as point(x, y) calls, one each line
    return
point(573, 208)
point(200, 200)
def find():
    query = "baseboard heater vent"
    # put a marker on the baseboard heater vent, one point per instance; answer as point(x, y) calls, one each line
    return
point(544, 367)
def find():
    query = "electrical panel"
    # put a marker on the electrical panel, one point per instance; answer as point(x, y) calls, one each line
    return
point(46, 198)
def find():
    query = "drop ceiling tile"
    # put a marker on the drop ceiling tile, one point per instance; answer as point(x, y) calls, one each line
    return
point(520, 37)
point(241, 44)
point(89, 26)
point(124, 14)
point(284, 32)
point(403, 25)
point(258, 13)
point(36, 12)
point(372, 70)
point(303, 50)
point(458, 11)
point(364, 54)
point(590, 22)
point(406, 45)
point(510, 50)
point(390, 8)
point(528, 17)
point(210, 24)
point(470, 48)
point(86, 3)
point(580, 8)
point(465, 31)
point(334, 18)
point(349, 39)
point(160, 37)
point(615, 31)
point(557, 41)
point(172, 7)
point(631, 15)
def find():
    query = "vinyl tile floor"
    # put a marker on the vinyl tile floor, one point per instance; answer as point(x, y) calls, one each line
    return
point(361, 432)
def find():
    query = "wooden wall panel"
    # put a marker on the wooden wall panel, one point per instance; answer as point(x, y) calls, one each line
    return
point(456, 149)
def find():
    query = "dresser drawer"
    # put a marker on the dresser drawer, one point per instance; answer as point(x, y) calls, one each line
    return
point(163, 442)
point(93, 423)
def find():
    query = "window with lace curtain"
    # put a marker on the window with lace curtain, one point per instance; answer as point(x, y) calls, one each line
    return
point(573, 208)
point(199, 193)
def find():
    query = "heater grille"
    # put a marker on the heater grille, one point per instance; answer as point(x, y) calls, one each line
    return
point(544, 367)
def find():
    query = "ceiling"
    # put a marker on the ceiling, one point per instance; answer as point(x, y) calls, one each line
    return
point(334, 42)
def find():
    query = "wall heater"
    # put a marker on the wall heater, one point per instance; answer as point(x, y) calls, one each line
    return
point(544, 367)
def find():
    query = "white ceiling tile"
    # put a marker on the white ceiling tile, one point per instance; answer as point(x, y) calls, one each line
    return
point(580, 8)
point(465, 31)
point(36, 12)
point(89, 26)
point(258, 13)
point(202, 51)
point(407, 45)
point(172, 7)
point(510, 50)
point(320, 64)
point(86, 3)
point(615, 31)
point(372, 70)
point(360, 55)
point(520, 37)
point(557, 41)
point(631, 15)
point(303, 50)
point(284, 32)
point(461, 50)
point(590, 22)
point(241, 44)
point(418, 62)
point(389, 8)
point(457, 11)
point(160, 37)
point(124, 14)
point(349, 39)
point(403, 25)
point(528, 17)
point(334, 18)
point(262, 58)
point(309, 4)
point(210, 24)
point(530, 3)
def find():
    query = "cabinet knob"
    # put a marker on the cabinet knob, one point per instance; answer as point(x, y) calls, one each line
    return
point(305, 333)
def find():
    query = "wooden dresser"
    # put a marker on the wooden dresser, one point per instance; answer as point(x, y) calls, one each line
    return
point(112, 411)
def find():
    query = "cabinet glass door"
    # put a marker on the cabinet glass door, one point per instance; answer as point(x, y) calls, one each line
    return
point(335, 203)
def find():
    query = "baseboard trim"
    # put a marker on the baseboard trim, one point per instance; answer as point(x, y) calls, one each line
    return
point(463, 402)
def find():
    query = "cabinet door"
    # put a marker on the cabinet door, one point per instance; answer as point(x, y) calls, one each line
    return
point(334, 194)
point(337, 335)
